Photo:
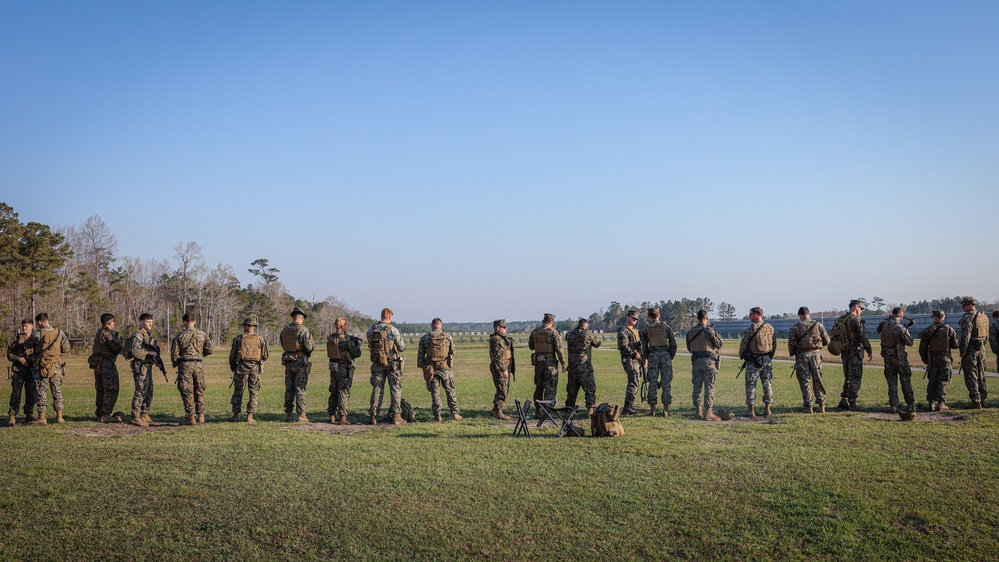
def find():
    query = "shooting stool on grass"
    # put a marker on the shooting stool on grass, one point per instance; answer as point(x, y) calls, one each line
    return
point(521, 427)
point(560, 417)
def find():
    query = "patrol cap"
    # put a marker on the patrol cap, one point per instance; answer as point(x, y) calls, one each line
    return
point(297, 310)
point(250, 321)
point(633, 314)
point(966, 301)
point(856, 302)
point(654, 311)
point(501, 323)
point(549, 317)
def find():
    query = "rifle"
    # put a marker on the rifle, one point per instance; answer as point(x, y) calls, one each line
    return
point(513, 365)
point(794, 369)
point(158, 361)
point(741, 369)
point(643, 392)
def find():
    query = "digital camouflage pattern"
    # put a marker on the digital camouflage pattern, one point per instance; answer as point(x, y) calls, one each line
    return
point(659, 371)
point(141, 343)
point(443, 374)
point(500, 348)
point(20, 348)
point(853, 357)
point(187, 352)
point(546, 368)
point(938, 364)
point(53, 382)
point(808, 362)
point(245, 375)
point(897, 369)
point(580, 345)
point(994, 337)
point(973, 359)
point(107, 344)
point(391, 374)
point(629, 344)
point(342, 373)
point(296, 371)
point(704, 366)
point(758, 367)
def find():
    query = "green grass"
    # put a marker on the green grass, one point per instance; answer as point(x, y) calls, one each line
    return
point(842, 485)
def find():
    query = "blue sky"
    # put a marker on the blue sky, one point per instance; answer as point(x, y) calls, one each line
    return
point(475, 160)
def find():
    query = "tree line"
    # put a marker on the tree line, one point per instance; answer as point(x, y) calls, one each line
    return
point(75, 274)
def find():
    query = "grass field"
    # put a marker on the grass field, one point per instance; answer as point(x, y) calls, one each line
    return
point(857, 485)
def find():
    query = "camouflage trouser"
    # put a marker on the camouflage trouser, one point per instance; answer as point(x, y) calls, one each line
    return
point(21, 378)
point(631, 368)
point(442, 378)
point(42, 386)
point(581, 376)
point(142, 373)
point(191, 384)
point(247, 375)
point(379, 375)
point(502, 387)
point(659, 373)
point(341, 379)
point(897, 370)
point(809, 372)
point(938, 374)
point(765, 375)
point(704, 373)
point(973, 366)
point(107, 384)
point(853, 372)
point(296, 380)
point(545, 379)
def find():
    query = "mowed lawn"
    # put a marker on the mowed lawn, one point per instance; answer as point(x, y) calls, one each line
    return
point(858, 485)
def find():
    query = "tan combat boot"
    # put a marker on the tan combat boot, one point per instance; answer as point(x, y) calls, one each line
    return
point(138, 421)
point(146, 418)
point(822, 408)
point(589, 412)
point(201, 418)
point(700, 411)
point(372, 420)
point(666, 411)
point(105, 418)
point(397, 419)
point(188, 420)
point(494, 413)
point(40, 420)
point(808, 409)
point(652, 410)
point(628, 409)
point(343, 421)
point(249, 419)
point(501, 415)
point(710, 416)
point(302, 418)
point(437, 418)
point(333, 419)
point(11, 419)
point(235, 417)
point(976, 406)
point(766, 410)
point(941, 407)
point(456, 416)
point(750, 411)
point(59, 417)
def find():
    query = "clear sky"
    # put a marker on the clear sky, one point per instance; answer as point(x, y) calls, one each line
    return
point(476, 160)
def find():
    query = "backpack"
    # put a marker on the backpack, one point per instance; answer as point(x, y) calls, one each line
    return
point(438, 348)
point(407, 411)
point(605, 422)
point(249, 348)
point(840, 337)
point(127, 351)
point(379, 345)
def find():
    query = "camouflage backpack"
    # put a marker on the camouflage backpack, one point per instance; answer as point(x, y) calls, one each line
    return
point(407, 412)
point(840, 337)
point(127, 351)
point(379, 345)
point(605, 422)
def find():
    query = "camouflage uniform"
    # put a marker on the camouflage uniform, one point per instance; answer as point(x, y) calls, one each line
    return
point(342, 372)
point(54, 381)
point(704, 364)
point(246, 374)
point(629, 343)
point(391, 373)
point(973, 359)
point(21, 346)
point(994, 338)
point(897, 363)
point(758, 364)
point(443, 374)
point(546, 364)
point(187, 353)
point(142, 371)
point(853, 358)
point(580, 343)
point(107, 345)
point(296, 371)
point(499, 363)
point(938, 369)
point(801, 343)
point(660, 368)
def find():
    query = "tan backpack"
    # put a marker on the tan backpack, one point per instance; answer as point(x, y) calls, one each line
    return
point(379, 345)
point(605, 422)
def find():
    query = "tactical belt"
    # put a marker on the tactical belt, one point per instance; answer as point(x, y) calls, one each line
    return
point(544, 356)
point(813, 349)
point(185, 360)
point(703, 355)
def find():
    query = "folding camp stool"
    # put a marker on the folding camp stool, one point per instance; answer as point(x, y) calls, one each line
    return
point(560, 417)
point(521, 427)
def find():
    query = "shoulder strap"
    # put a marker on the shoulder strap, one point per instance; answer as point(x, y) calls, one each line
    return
point(691, 340)
point(810, 330)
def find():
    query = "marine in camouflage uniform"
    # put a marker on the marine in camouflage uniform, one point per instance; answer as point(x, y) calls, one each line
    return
point(974, 333)
point(341, 348)
point(757, 348)
point(107, 345)
point(501, 365)
point(805, 342)
point(434, 357)
point(853, 355)
point(629, 344)
point(50, 345)
point(246, 366)
point(546, 343)
point(187, 354)
point(704, 343)
point(659, 348)
point(935, 343)
point(19, 350)
point(143, 349)
point(994, 334)
point(296, 341)
point(894, 338)
point(390, 373)
point(580, 343)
